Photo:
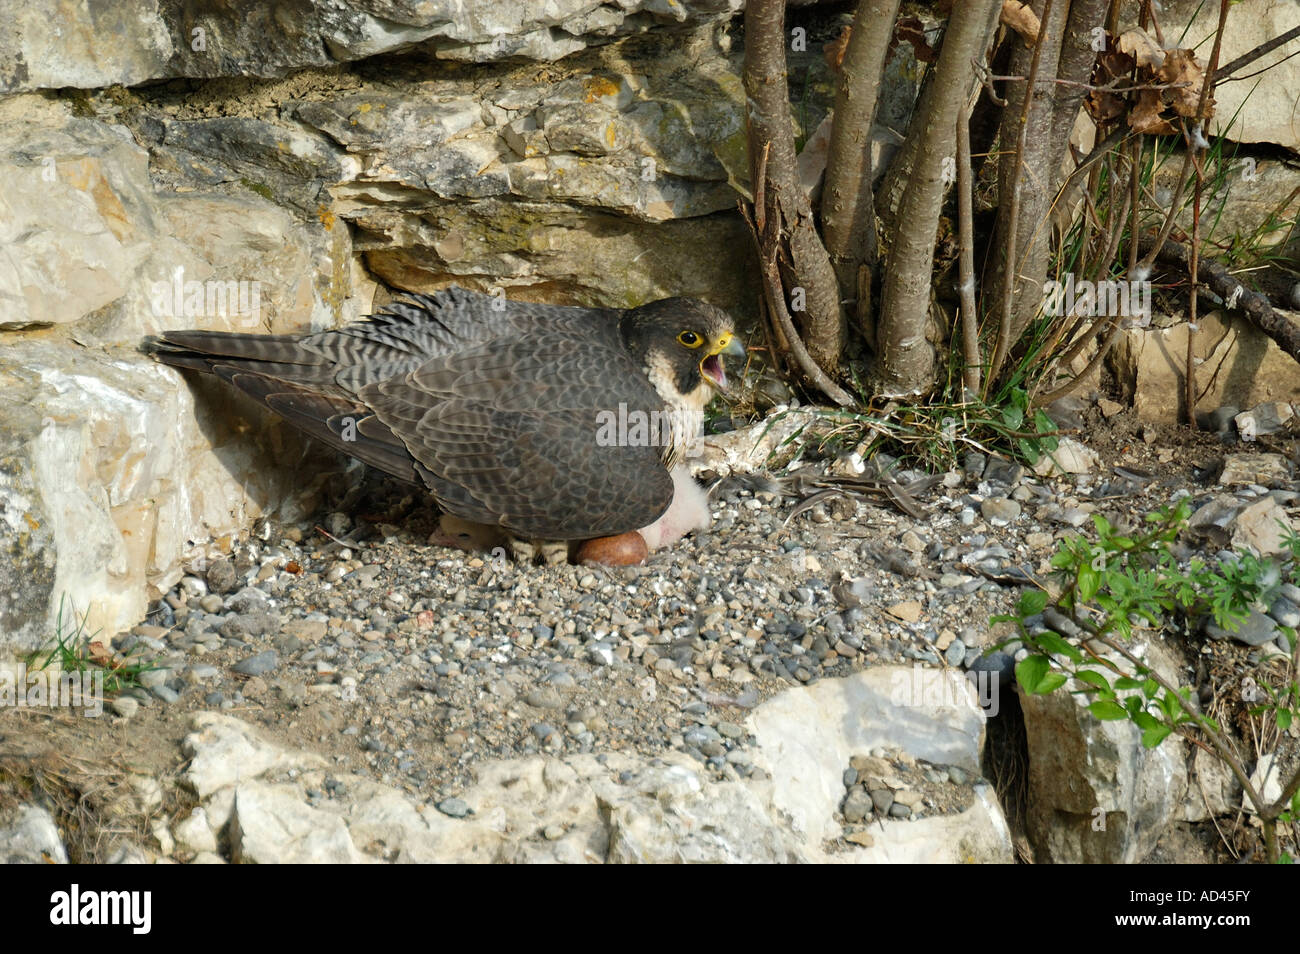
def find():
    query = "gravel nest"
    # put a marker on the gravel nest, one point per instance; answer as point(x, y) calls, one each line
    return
point(414, 660)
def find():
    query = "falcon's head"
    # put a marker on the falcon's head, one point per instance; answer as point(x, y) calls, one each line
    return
point(681, 343)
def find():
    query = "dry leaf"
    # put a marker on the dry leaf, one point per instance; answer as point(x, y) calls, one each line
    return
point(1144, 50)
point(912, 31)
point(1020, 18)
point(1145, 116)
point(1103, 107)
point(100, 654)
point(1181, 71)
point(834, 50)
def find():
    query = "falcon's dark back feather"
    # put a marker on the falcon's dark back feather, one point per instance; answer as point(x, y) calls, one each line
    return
point(495, 409)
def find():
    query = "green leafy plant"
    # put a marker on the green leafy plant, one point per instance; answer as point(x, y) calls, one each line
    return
point(1123, 580)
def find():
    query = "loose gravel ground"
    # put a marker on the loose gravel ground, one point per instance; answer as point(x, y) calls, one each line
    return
point(358, 637)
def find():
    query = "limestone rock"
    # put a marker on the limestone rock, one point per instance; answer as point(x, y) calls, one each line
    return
point(807, 736)
point(193, 833)
point(1096, 796)
point(1238, 365)
point(32, 839)
point(1249, 198)
point(93, 47)
point(1267, 780)
point(75, 211)
point(1265, 419)
point(1261, 526)
point(224, 752)
point(1212, 789)
point(1245, 469)
point(111, 466)
point(272, 825)
point(1070, 457)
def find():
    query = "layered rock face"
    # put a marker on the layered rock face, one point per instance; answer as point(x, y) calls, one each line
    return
point(96, 47)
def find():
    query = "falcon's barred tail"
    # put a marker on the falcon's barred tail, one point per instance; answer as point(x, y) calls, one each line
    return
point(294, 382)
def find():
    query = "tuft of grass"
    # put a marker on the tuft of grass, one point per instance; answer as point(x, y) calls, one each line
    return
point(75, 650)
point(936, 435)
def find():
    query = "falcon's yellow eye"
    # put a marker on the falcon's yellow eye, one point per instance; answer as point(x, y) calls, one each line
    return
point(690, 339)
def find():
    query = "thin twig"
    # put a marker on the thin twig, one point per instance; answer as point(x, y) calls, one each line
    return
point(1263, 49)
point(1220, 280)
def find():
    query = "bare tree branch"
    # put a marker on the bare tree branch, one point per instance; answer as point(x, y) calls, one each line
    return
point(1250, 57)
point(848, 213)
point(1026, 109)
point(906, 358)
point(1220, 280)
point(1207, 88)
point(770, 128)
point(783, 326)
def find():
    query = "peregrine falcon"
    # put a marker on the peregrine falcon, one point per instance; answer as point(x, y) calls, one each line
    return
point(549, 423)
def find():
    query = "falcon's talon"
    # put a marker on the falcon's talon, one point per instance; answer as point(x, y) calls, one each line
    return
point(503, 414)
point(539, 552)
point(554, 552)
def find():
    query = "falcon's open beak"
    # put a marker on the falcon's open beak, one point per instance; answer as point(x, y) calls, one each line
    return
point(712, 367)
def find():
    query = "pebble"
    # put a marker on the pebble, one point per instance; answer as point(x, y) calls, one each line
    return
point(259, 664)
point(545, 732)
point(1256, 630)
point(366, 575)
point(730, 730)
point(955, 654)
point(857, 806)
point(543, 698)
point(1003, 471)
point(193, 587)
point(454, 807)
point(1285, 612)
point(124, 706)
point(909, 611)
point(221, 577)
point(1000, 511)
point(153, 678)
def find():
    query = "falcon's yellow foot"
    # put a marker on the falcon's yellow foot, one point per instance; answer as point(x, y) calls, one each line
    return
point(549, 552)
